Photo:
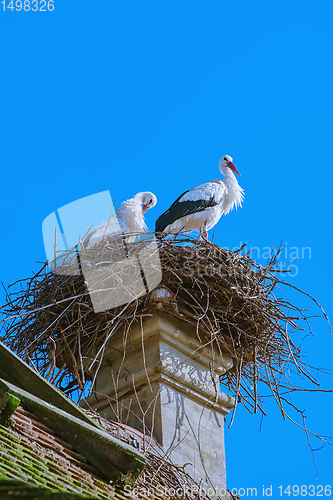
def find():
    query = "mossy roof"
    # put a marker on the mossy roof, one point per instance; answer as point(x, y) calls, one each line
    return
point(50, 445)
point(36, 464)
point(25, 461)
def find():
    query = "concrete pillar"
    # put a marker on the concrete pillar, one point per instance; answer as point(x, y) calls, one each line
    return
point(169, 378)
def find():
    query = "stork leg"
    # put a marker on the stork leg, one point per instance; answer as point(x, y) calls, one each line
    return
point(205, 233)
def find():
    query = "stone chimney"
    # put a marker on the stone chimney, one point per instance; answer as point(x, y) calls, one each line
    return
point(167, 374)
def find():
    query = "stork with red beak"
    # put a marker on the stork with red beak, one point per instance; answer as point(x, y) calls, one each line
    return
point(200, 208)
point(128, 218)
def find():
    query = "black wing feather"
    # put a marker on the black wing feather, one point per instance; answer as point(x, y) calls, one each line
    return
point(181, 209)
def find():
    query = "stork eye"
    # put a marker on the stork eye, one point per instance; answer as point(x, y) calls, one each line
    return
point(151, 201)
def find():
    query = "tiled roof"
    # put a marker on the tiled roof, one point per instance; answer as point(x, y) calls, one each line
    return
point(31, 453)
point(36, 461)
point(50, 444)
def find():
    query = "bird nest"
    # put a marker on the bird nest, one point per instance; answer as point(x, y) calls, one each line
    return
point(227, 296)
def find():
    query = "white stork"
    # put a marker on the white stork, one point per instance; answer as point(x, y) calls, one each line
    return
point(201, 207)
point(129, 218)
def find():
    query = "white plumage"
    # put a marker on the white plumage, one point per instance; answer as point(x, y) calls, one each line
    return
point(201, 207)
point(128, 218)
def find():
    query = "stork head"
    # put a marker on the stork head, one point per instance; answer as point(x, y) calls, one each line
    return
point(147, 199)
point(226, 162)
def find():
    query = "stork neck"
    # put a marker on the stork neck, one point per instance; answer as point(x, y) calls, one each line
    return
point(228, 176)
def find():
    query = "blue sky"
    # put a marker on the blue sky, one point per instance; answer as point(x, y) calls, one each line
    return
point(148, 95)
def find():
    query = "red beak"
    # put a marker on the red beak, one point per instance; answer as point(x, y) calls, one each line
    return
point(233, 168)
point(144, 209)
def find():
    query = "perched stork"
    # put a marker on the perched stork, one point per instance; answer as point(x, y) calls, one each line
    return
point(201, 207)
point(129, 219)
